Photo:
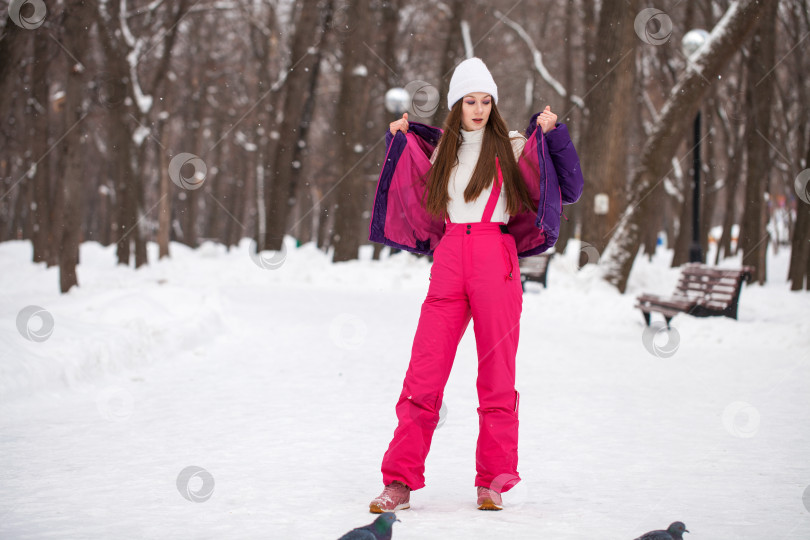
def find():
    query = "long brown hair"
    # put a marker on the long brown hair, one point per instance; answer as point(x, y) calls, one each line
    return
point(495, 143)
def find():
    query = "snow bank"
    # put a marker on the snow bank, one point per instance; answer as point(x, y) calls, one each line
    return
point(281, 385)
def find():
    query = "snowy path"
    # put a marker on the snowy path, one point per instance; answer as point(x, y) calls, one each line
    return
point(281, 384)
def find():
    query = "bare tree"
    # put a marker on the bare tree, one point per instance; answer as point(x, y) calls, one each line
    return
point(799, 272)
point(684, 99)
point(735, 157)
point(124, 51)
point(214, 79)
point(610, 79)
point(758, 101)
point(44, 248)
point(78, 18)
point(350, 132)
point(302, 78)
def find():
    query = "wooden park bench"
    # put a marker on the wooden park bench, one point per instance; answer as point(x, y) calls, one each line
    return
point(534, 269)
point(702, 291)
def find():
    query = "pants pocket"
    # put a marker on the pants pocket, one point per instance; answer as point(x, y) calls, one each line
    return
point(510, 261)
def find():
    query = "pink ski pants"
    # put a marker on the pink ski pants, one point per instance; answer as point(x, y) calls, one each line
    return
point(474, 275)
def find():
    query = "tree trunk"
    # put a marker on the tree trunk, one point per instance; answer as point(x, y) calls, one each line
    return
point(758, 99)
point(139, 231)
point(672, 125)
point(121, 150)
point(116, 79)
point(256, 167)
point(610, 104)
point(76, 24)
point(658, 221)
point(799, 271)
point(352, 107)
point(13, 48)
point(680, 253)
point(165, 205)
point(301, 150)
point(733, 183)
point(239, 186)
point(216, 187)
point(297, 109)
point(42, 240)
point(124, 115)
point(390, 24)
point(567, 226)
point(588, 33)
point(710, 182)
point(453, 45)
point(735, 154)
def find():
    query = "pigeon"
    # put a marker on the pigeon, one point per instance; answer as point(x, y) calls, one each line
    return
point(379, 529)
point(673, 532)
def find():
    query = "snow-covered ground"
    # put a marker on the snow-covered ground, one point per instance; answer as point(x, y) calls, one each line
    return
point(279, 386)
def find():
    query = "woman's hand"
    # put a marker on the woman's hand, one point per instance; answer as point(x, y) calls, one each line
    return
point(400, 125)
point(547, 120)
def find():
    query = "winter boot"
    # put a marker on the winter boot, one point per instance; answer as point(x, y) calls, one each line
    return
point(489, 499)
point(395, 496)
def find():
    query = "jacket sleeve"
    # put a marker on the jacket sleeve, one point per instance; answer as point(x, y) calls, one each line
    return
point(397, 218)
point(565, 159)
point(566, 163)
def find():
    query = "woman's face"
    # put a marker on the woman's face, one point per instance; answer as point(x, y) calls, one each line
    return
point(475, 109)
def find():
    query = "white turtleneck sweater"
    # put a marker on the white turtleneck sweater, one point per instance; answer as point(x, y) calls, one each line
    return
point(472, 212)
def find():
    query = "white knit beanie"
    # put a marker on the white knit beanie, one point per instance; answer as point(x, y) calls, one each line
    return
point(470, 76)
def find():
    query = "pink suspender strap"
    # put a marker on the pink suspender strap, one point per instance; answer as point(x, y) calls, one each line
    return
point(489, 209)
point(493, 197)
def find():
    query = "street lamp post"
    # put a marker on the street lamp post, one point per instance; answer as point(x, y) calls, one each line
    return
point(695, 250)
point(396, 101)
point(692, 41)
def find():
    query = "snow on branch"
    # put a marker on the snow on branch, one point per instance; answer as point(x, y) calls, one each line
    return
point(537, 57)
point(218, 6)
point(136, 45)
point(152, 7)
point(129, 39)
point(661, 144)
point(465, 35)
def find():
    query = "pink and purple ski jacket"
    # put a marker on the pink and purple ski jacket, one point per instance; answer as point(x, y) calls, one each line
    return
point(549, 166)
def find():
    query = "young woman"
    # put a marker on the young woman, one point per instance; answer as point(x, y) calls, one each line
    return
point(451, 193)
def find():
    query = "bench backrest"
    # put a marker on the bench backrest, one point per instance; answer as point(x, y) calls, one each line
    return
point(718, 286)
point(536, 264)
